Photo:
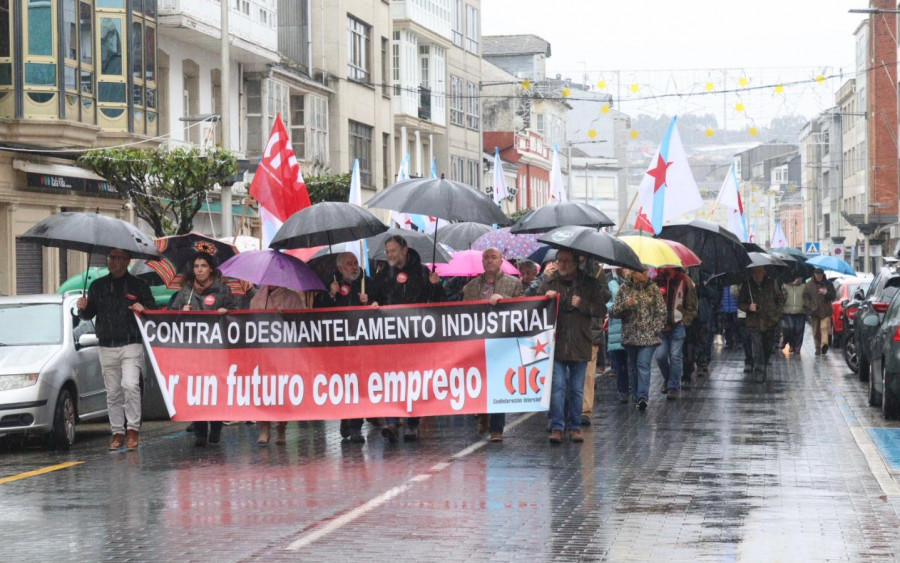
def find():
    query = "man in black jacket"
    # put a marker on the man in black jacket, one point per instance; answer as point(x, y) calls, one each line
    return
point(405, 281)
point(114, 299)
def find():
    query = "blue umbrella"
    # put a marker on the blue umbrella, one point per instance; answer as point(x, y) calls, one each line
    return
point(832, 263)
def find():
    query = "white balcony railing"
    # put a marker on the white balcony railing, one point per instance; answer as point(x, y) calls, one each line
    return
point(250, 20)
point(433, 15)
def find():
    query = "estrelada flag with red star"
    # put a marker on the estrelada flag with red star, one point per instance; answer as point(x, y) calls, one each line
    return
point(668, 189)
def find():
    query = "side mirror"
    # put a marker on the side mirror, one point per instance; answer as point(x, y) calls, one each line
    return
point(859, 295)
point(844, 303)
point(87, 341)
point(871, 320)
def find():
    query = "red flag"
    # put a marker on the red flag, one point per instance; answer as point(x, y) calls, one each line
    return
point(643, 223)
point(278, 185)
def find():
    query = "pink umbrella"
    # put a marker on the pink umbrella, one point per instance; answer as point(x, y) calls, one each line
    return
point(467, 263)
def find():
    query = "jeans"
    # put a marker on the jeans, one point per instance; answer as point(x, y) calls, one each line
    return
point(669, 356)
point(121, 368)
point(497, 422)
point(639, 359)
point(794, 327)
point(761, 342)
point(567, 394)
point(618, 359)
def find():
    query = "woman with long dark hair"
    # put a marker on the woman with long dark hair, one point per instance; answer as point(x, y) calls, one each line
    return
point(203, 289)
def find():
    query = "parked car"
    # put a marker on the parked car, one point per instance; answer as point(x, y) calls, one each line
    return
point(851, 350)
point(844, 289)
point(884, 380)
point(870, 313)
point(50, 376)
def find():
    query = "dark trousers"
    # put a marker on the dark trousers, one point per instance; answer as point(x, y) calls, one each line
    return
point(761, 341)
point(411, 422)
point(730, 330)
point(355, 424)
point(794, 325)
point(201, 429)
point(744, 334)
point(618, 360)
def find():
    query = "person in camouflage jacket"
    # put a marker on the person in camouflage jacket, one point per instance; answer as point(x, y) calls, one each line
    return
point(640, 305)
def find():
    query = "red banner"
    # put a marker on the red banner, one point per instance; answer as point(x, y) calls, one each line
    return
point(323, 364)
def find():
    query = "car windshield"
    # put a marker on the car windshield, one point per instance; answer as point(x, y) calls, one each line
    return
point(28, 324)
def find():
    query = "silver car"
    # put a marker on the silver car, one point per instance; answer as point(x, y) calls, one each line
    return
point(50, 376)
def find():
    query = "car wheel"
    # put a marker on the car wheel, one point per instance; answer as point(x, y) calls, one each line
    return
point(62, 436)
point(890, 402)
point(874, 396)
point(851, 354)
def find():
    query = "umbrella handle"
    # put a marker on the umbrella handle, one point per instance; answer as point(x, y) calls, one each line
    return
point(434, 244)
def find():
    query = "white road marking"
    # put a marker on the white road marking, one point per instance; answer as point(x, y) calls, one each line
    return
point(341, 521)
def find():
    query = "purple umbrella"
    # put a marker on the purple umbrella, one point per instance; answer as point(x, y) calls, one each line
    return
point(512, 246)
point(270, 267)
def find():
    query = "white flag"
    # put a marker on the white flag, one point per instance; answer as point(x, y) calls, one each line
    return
point(557, 185)
point(358, 248)
point(778, 238)
point(730, 199)
point(501, 190)
point(668, 189)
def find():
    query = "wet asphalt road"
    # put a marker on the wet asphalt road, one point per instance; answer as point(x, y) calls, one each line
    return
point(796, 469)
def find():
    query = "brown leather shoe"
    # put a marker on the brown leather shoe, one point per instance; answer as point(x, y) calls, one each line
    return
point(576, 435)
point(496, 436)
point(131, 443)
point(556, 436)
point(117, 442)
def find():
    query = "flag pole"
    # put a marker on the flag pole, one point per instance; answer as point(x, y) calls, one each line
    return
point(243, 219)
point(713, 212)
point(627, 213)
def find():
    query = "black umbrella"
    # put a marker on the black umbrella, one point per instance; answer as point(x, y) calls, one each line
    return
point(327, 223)
point(422, 243)
point(460, 236)
point(92, 233)
point(553, 215)
point(589, 240)
point(720, 250)
point(764, 259)
point(442, 198)
point(752, 247)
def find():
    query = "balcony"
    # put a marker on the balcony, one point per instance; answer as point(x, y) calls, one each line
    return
point(198, 22)
point(431, 15)
point(425, 103)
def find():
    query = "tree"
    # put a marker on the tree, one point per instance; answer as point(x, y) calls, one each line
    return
point(516, 215)
point(166, 187)
point(328, 187)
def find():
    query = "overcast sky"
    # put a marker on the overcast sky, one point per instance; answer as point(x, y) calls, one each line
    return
point(765, 41)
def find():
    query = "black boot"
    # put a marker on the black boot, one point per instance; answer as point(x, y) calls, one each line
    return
point(215, 432)
point(200, 432)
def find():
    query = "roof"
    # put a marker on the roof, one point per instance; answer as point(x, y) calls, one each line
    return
point(498, 45)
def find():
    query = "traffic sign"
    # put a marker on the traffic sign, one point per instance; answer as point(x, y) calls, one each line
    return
point(812, 248)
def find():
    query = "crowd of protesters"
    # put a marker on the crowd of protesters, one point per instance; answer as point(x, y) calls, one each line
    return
point(624, 319)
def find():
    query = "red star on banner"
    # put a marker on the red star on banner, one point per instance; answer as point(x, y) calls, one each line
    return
point(539, 348)
point(659, 173)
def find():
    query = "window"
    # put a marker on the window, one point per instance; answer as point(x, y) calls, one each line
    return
point(472, 33)
point(385, 67)
point(358, 50)
point(385, 159)
point(317, 129)
point(361, 148)
point(473, 173)
point(395, 55)
point(456, 100)
point(6, 73)
point(457, 169)
point(298, 126)
point(457, 22)
point(473, 113)
point(253, 93)
point(539, 121)
point(278, 103)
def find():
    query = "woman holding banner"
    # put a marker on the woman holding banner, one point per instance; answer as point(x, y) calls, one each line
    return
point(204, 290)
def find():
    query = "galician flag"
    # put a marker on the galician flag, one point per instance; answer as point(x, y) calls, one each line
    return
point(730, 199)
point(668, 190)
point(278, 185)
point(557, 185)
point(358, 248)
point(778, 238)
point(501, 190)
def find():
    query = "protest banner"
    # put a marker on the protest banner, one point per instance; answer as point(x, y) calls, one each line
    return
point(356, 362)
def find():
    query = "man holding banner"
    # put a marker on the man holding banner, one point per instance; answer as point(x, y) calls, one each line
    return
point(579, 300)
point(494, 285)
point(405, 281)
point(350, 288)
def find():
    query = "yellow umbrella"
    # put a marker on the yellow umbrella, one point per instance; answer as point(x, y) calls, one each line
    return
point(652, 252)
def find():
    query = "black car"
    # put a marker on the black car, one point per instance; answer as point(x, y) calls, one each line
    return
point(850, 308)
point(874, 304)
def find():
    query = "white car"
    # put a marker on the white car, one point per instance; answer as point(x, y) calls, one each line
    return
point(50, 376)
